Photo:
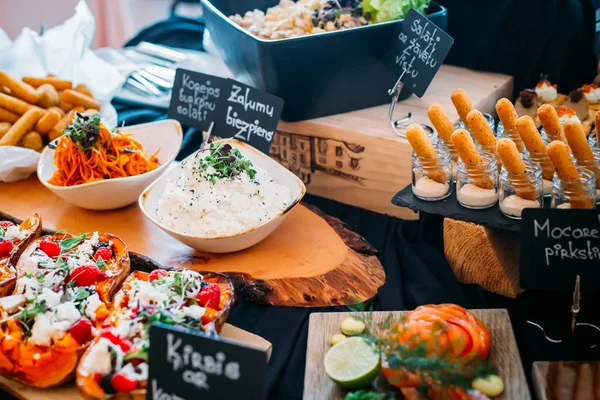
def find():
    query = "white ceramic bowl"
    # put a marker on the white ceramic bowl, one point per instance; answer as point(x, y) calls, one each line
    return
point(226, 244)
point(109, 194)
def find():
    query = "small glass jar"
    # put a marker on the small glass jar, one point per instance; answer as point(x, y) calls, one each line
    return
point(477, 184)
point(575, 194)
point(429, 173)
point(520, 191)
point(594, 166)
point(593, 140)
point(511, 134)
point(490, 120)
point(547, 139)
point(453, 154)
point(547, 168)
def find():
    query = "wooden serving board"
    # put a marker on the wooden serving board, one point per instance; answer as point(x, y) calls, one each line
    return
point(70, 392)
point(357, 159)
point(504, 354)
point(311, 260)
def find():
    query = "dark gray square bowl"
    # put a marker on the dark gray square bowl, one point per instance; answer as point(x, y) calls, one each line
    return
point(316, 75)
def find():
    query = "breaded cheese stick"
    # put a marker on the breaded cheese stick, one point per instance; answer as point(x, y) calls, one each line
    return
point(21, 127)
point(549, 118)
point(19, 89)
point(424, 149)
point(513, 163)
point(480, 128)
point(508, 116)
point(567, 171)
point(462, 103)
point(578, 141)
point(467, 151)
point(438, 117)
point(533, 142)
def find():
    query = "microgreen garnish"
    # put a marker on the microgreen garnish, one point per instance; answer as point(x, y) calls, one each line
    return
point(68, 244)
point(139, 354)
point(84, 130)
point(2, 232)
point(80, 293)
point(223, 162)
point(101, 264)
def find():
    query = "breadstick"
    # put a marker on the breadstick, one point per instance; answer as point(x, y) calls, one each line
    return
point(59, 110)
point(462, 103)
point(83, 88)
point(4, 127)
point(47, 122)
point(533, 142)
point(549, 118)
point(19, 89)
point(480, 128)
point(21, 127)
point(467, 151)
point(7, 116)
point(425, 151)
point(59, 84)
point(48, 96)
point(513, 163)
point(57, 130)
point(507, 114)
point(79, 99)
point(441, 122)
point(13, 104)
point(567, 171)
point(33, 141)
point(578, 141)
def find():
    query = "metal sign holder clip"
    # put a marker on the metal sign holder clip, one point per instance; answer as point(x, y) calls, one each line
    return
point(399, 126)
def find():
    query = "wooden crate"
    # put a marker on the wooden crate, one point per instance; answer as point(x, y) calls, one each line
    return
point(357, 159)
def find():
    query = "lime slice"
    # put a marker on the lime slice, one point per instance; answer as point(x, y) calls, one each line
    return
point(352, 363)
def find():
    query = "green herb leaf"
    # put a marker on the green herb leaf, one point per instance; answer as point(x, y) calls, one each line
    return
point(139, 354)
point(2, 231)
point(84, 130)
point(101, 264)
point(68, 244)
point(80, 293)
point(225, 161)
point(365, 395)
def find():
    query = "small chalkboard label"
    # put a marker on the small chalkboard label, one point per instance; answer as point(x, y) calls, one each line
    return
point(186, 364)
point(249, 115)
point(558, 245)
point(418, 50)
point(196, 98)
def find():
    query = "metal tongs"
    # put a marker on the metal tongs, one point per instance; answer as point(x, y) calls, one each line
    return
point(399, 126)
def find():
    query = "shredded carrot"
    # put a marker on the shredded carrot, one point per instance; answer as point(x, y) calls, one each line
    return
point(114, 155)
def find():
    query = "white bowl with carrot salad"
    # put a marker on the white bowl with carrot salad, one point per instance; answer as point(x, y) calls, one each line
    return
point(97, 168)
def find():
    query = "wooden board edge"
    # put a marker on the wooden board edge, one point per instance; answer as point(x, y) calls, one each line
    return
point(539, 376)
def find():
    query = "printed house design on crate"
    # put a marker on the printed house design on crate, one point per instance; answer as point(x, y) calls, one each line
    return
point(304, 155)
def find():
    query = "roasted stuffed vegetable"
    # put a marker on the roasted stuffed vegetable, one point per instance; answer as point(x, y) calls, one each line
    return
point(63, 287)
point(115, 365)
point(13, 240)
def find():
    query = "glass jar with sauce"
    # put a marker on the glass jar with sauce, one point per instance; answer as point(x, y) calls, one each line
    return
point(477, 184)
point(511, 134)
point(593, 166)
point(547, 168)
point(432, 177)
point(520, 191)
point(575, 194)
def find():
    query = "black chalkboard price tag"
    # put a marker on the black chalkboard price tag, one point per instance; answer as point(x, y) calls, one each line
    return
point(558, 245)
point(249, 115)
point(418, 50)
point(186, 364)
point(196, 98)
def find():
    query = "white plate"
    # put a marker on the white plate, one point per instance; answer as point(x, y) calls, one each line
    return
point(109, 194)
point(227, 244)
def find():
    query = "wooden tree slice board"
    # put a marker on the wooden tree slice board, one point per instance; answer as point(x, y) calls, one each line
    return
point(70, 392)
point(504, 354)
point(544, 378)
point(311, 260)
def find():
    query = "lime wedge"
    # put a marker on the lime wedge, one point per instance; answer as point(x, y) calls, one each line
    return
point(352, 363)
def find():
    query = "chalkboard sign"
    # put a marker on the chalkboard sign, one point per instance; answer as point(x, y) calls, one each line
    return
point(249, 115)
point(418, 49)
point(186, 364)
point(196, 98)
point(557, 245)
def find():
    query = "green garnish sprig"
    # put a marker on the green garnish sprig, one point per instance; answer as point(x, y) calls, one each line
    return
point(84, 130)
point(223, 162)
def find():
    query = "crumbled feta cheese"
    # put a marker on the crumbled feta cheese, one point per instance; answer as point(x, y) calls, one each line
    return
point(95, 239)
point(28, 286)
point(67, 312)
point(11, 304)
point(193, 311)
point(42, 330)
point(139, 373)
point(14, 232)
point(98, 359)
point(52, 298)
point(54, 279)
point(30, 264)
point(91, 305)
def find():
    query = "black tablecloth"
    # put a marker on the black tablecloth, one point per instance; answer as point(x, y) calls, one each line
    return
point(410, 251)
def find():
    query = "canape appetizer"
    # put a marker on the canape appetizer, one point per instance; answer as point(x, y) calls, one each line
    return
point(526, 104)
point(63, 285)
point(116, 364)
point(548, 94)
point(532, 140)
point(592, 95)
point(13, 241)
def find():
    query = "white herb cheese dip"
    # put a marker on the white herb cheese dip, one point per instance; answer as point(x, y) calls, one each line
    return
point(205, 201)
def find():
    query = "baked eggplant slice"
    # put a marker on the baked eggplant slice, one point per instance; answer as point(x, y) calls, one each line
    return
point(13, 240)
point(115, 365)
point(60, 301)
